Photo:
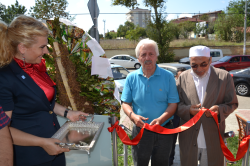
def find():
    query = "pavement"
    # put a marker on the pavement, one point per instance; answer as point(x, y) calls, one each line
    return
point(231, 123)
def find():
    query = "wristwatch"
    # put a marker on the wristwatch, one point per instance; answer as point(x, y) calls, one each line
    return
point(66, 112)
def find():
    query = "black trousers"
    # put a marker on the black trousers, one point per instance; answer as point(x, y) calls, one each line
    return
point(176, 123)
point(152, 146)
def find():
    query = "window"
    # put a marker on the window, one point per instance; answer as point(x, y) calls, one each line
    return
point(126, 58)
point(244, 71)
point(225, 59)
point(235, 59)
point(119, 57)
point(119, 73)
point(215, 54)
point(115, 57)
point(245, 58)
point(172, 70)
point(212, 54)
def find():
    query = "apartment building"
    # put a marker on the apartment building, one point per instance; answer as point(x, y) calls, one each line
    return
point(139, 16)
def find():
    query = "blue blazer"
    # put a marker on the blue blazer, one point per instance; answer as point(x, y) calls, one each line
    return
point(31, 112)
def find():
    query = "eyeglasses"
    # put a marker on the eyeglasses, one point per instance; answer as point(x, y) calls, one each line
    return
point(201, 65)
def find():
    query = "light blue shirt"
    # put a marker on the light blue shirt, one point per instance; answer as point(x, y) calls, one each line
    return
point(150, 96)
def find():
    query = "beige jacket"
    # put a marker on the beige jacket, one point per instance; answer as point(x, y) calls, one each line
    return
point(220, 91)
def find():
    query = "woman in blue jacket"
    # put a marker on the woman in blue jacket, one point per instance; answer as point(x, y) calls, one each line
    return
point(28, 94)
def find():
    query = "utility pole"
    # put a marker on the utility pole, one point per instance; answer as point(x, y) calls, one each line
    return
point(104, 29)
point(245, 28)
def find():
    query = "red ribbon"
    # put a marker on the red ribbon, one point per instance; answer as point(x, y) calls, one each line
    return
point(243, 147)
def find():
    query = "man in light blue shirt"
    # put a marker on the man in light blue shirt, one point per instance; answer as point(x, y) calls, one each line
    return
point(150, 95)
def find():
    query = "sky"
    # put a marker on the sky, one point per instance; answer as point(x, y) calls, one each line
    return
point(174, 8)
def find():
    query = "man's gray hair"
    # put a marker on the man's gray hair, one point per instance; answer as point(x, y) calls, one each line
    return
point(146, 41)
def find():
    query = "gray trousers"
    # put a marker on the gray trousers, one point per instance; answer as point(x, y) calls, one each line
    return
point(154, 146)
point(202, 157)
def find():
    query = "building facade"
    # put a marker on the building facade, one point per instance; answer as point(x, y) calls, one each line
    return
point(139, 16)
point(212, 16)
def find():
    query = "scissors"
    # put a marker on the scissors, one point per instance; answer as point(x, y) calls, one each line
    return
point(144, 121)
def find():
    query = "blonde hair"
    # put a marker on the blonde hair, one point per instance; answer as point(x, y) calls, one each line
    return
point(23, 29)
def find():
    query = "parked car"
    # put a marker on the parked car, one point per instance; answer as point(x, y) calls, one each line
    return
point(173, 67)
point(119, 74)
point(233, 62)
point(125, 61)
point(241, 79)
point(216, 55)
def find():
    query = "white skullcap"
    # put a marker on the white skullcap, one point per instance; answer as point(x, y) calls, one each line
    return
point(199, 51)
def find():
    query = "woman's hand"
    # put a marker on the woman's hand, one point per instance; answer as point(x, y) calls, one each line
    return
point(75, 115)
point(48, 144)
point(71, 115)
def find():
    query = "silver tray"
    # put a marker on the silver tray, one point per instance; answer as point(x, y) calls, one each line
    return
point(79, 135)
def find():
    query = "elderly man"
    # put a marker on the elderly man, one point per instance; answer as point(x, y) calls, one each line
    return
point(153, 95)
point(208, 87)
point(6, 148)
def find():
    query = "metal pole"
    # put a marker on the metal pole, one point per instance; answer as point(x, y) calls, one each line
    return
point(96, 23)
point(114, 140)
point(247, 153)
point(104, 29)
point(125, 152)
point(95, 18)
point(245, 27)
point(247, 157)
point(225, 160)
point(247, 133)
point(243, 161)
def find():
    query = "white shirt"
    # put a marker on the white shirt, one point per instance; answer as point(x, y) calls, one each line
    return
point(201, 86)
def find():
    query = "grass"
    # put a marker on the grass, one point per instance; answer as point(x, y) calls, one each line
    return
point(125, 43)
point(194, 42)
point(120, 151)
point(117, 44)
point(232, 144)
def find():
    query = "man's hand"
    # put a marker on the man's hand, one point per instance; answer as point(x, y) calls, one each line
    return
point(138, 120)
point(156, 121)
point(194, 109)
point(215, 109)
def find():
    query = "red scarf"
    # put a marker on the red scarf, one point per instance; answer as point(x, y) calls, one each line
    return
point(38, 73)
